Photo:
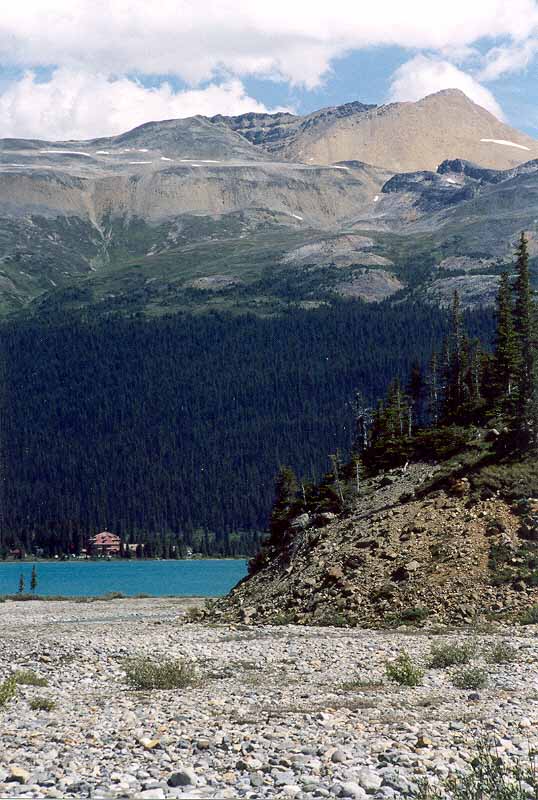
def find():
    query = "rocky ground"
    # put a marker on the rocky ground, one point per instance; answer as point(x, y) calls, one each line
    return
point(283, 711)
point(405, 552)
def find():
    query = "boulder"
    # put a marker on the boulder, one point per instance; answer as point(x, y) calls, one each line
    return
point(183, 777)
point(18, 775)
point(301, 522)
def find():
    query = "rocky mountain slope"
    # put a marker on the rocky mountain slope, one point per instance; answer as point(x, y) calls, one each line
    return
point(402, 137)
point(259, 211)
point(413, 549)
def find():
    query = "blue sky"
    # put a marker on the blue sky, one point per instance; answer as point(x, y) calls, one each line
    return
point(97, 67)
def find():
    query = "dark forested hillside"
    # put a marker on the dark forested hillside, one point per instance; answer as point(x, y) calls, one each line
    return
point(171, 431)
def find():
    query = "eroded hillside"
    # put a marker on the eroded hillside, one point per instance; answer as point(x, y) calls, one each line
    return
point(418, 545)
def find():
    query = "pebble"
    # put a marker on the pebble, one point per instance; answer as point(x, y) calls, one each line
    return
point(183, 777)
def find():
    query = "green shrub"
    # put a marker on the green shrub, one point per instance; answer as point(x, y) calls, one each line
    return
point(404, 672)
point(27, 677)
point(530, 616)
point(440, 443)
point(285, 618)
point(514, 478)
point(358, 684)
point(414, 614)
point(333, 619)
point(471, 678)
point(112, 596)
point(147, 673)
point(448, 654)
point(502, 653)
point(7, 691)
point(490, 778)
point(42, 704)
point(194, 614)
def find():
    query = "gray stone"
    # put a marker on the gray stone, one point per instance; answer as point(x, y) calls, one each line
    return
point(338, 757)
point(369, 780)
point(283, 778)
point(18, 775)
point(183, 777)
point(351, 789)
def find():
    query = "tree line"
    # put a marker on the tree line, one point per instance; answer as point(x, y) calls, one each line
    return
point(169, 431)
point(465, 383)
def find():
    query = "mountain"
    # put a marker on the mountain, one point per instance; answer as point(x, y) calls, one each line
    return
point(402, 137)
point(261, 211)
point(110, 249)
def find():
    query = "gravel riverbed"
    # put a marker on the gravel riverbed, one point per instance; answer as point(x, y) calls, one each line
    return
point(273, 713)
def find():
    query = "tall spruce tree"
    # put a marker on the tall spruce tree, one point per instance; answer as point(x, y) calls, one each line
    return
point(415, 391)
point(433, 390)
point(454, 363)
point(526, 368)
point(506, 355)
point(286, 488)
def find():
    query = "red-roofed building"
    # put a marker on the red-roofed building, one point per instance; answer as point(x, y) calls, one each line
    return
point(106, 544)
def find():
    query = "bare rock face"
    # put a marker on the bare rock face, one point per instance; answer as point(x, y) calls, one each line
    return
point(402, 137)
point(475, 290)
point(372, 285)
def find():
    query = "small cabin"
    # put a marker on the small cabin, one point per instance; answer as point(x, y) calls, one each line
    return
point(106, 544)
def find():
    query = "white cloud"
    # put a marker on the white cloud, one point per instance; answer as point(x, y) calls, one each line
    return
point(508, 58)
point(198, 39)
point(424, 75)
point(77, 105)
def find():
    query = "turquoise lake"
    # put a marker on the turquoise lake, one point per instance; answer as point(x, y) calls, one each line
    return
point(205, 578)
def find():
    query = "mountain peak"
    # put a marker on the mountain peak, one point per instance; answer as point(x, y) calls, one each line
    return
point(402, 137)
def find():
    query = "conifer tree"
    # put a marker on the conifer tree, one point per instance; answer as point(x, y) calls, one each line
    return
point(415, 391)
point(473, 365)
point(363, 424)
point(433, 390)
point(286, 488)
point(454, 363)
point(505, 358)
point(524, 326)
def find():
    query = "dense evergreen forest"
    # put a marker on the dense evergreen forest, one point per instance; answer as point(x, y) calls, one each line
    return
point(170, 431)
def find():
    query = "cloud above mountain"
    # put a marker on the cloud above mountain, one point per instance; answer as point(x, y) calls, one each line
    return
point(74, 104)
point(91, 50)
point(423, 75)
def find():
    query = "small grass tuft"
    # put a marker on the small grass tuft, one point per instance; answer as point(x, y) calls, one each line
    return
point(491, 778)
point(414, 615)
point(360, 684)
point(502, 653)
point(7, 691)
point(404, 672)
point(194, 614)
point(42, 704)
point(450, 654)
point(147, 673)
point(27, 677)
point(471, 678)
point(530, 616)
point(112, 596)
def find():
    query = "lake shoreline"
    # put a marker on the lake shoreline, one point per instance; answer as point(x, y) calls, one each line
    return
point(120, 578)
point(107, 560)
